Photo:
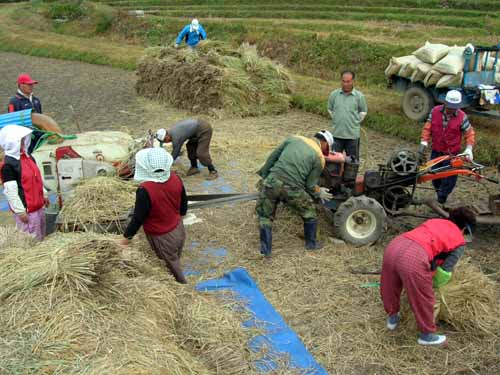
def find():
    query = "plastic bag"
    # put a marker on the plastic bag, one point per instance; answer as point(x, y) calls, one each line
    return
point(453, 63)
point(450, 80)
point(420, 72)
point(397, 63)
point(432, 78)
point(431, 53)
point(409, 67)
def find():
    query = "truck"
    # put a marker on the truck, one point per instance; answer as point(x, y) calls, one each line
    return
point(418, 100)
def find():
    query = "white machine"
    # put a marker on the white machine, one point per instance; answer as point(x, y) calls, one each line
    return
point(91, 154)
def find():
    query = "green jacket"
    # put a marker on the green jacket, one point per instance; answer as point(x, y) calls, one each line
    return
point(296, 163)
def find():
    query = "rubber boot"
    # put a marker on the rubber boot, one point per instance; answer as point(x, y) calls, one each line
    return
point(310, 229)
point(266, 240)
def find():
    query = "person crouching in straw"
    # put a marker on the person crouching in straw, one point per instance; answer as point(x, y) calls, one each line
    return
point(160, 203)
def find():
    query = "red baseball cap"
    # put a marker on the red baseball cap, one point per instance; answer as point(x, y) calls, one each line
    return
point(25, 79)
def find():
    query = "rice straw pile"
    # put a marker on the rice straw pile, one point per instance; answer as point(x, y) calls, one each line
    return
point(469, 302)
point(336, 313)
point(99, 201)
point(78, 303)
point(215, 78)
point(11, 237)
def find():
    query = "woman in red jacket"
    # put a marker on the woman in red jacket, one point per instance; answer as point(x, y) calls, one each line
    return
point(160, 203)
point(22, 181)
point(416, 260)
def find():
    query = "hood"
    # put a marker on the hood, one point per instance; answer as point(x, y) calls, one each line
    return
point(10, 139)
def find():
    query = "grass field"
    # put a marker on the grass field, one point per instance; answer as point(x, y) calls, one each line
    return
point(316, 40)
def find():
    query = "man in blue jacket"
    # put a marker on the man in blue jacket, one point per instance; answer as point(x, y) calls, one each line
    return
point(192, 34)
point(24, 98)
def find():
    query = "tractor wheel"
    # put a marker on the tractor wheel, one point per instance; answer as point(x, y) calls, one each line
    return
point(417, 103)
point(360, 220)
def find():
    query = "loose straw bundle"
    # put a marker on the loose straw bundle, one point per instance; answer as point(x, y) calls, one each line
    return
point(99, 200)
point(469, 301)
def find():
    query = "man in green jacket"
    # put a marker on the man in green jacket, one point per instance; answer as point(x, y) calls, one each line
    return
point(347, 108)
point(291, 175)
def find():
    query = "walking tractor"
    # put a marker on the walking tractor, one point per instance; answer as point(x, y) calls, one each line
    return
point(360, 204)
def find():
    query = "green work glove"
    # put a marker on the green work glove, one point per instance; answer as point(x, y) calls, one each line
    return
point(440, 278)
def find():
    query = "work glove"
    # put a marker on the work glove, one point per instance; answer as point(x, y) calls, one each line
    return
point(160, 134)
point(468, 153)
point(421, 152)
point(440, 278)
point(176, 45)
point(324, 194)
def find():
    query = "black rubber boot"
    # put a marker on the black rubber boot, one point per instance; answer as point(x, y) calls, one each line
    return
point(310, 228)
point(266, 240)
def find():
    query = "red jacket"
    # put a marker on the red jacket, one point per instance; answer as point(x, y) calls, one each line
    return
point(446, 140)
point(165, 205)
point(437, 236)
point(29, 180)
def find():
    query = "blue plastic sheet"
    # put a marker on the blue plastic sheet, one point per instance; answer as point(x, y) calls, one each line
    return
point(21, 118)
point(206, 256)
point(279, 339)
point(4, 205)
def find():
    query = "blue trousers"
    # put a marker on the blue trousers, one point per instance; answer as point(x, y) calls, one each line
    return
point(443, 186)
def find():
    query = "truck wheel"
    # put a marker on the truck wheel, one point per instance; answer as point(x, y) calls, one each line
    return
point(360, 220)
point(417, 103)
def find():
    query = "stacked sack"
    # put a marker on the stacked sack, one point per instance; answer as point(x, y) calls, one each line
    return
point(435, 65)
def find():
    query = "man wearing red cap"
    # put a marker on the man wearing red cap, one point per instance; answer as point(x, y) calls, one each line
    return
point(24, 98)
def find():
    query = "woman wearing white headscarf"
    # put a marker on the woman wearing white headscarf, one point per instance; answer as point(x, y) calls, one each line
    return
point(160, 202)
point(22, 181)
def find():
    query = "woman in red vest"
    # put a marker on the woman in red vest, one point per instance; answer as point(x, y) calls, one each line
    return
point(416, 260)
point(445, 127)
point(160, 203)
point(22, 181)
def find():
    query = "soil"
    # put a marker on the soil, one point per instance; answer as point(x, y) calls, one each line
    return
point(82, 97)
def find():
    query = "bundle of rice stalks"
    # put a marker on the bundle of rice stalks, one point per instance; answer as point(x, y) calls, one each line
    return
point(100, 203)
point(77, 303)
point(469, 301)
point(73, 261)
point(215, 78)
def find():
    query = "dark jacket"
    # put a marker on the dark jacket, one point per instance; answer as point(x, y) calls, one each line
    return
point(20, 102)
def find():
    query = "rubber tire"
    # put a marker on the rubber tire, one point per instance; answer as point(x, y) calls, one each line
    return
point(369, 206)
point(427, 101)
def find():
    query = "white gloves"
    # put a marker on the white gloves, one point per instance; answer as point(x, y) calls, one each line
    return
point(160, 134)
point(468, 153)
point(324, 194)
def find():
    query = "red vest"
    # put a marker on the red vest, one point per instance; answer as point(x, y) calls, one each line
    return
point(446, 140)
point(29, 182)
point(32, 184)
point(437, 236)
point(165, 205)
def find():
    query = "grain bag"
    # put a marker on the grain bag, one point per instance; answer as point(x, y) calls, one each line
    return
point(432, 78)
point(431, 53)
point(450, 80)
point(452, 63)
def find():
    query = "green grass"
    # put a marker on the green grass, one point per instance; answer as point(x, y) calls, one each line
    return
point(486, 5)
point(331, 38)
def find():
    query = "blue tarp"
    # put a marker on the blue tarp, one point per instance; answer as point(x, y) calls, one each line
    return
point(22, 118)
point(279, 338)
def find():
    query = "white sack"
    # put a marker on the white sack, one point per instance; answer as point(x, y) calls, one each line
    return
point(453, 63)
point(450, 80)
point(432, 78)
point(431, 53)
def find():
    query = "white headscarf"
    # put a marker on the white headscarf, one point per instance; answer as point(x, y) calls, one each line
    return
point(195, 25)
point(10, 140)
point(152, 164)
